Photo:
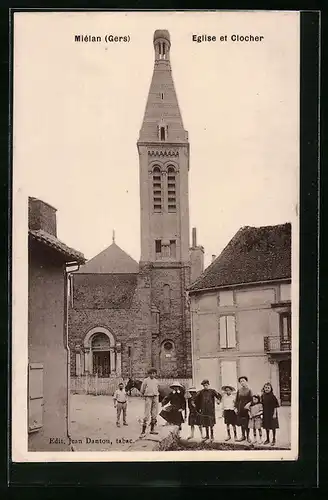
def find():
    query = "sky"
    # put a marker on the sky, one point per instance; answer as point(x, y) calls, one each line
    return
point(78, 109)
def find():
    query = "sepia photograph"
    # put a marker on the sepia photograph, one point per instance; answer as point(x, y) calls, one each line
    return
point(155, 236)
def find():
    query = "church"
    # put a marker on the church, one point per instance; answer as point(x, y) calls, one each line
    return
point(126, 316)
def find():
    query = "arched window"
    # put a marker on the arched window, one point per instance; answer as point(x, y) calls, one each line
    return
point(157, 189)
point(102, 355)
point(171, 190)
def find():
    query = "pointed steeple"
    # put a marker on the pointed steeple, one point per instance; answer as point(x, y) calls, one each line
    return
point(162, 119)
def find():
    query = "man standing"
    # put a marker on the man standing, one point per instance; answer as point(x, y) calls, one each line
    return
point(149, 389)
point(120, 402)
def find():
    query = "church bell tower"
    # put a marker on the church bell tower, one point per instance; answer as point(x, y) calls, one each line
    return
point(163, 149)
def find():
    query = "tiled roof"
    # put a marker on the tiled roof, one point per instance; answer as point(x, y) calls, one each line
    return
point(255, 254)
point(111, 260)
point(69, 254)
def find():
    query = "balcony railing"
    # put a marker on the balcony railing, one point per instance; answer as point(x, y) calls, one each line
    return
point(276, 344)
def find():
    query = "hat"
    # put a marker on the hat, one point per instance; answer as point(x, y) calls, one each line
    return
point(225, 387)
point(176, 384)
point(152, 370)
point(205, 381)
point(192, 389)
point(243, 378)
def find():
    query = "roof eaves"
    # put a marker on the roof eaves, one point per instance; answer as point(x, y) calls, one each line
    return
point(57, 245)
point(235, 285)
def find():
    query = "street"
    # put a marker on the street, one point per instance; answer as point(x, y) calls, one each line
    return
point(93, 424)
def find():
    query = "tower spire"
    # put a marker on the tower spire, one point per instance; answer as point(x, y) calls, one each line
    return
point(113, 237)
point(162, 119)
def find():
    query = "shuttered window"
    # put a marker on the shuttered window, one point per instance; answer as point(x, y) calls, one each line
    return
point(229, 373)
point(171, 190)
point(157, 190)
point(227, 332)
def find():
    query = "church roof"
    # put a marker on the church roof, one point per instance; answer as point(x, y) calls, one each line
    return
point(112, 260)
point(255, 254)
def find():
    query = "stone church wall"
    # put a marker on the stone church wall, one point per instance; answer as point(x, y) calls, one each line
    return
point(168, 295)
point(130, 327)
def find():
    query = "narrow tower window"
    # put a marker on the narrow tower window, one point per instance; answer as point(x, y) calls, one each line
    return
point(157, 190)
point(162, 96)
point(162, 133)
point(171, 190)
point(173, 249)
point(166, 299)
point(158, 248)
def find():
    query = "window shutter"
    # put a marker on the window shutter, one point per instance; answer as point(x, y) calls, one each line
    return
point(223, 332)
point(231, 327)
point(229, 373)
point(35, 396)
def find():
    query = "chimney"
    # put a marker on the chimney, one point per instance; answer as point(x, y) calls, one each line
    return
point(196, 257)
point(42, 216)
point(213, 257)
point(194, 237)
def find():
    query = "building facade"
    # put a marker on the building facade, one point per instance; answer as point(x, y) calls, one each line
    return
point(241, 313)
point(48, 355)
point(150, 326)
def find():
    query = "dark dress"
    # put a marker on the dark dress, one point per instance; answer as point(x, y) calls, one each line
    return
point(193, 417)
point(270, 403)
point(244, 396)
point(177, 402)
point(205, 404)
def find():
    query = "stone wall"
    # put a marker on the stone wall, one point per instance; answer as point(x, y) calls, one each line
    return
point(129, 326)
point(168, 285)
point(141, 342)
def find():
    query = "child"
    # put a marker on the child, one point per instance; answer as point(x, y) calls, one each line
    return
point(205, 404)
point(193, 417)
point(270, 412)
point(229, 414)
point(120, 402)
point(244, 396)
point(255, 410)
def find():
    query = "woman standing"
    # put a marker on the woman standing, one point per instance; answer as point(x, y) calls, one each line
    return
point(243, 397)
point(176, 405)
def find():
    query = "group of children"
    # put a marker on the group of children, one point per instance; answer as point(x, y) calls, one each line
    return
point(241, 408)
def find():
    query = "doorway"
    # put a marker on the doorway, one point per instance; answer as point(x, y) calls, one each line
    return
point(101, 363)
point(285, 381)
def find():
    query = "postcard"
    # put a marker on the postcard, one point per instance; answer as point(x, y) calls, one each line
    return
point(155, 236)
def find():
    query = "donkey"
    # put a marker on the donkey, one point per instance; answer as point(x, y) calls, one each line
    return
point(163, 389)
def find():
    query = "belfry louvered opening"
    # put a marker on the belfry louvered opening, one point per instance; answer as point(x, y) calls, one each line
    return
point(157, 189)
point(171, 190)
